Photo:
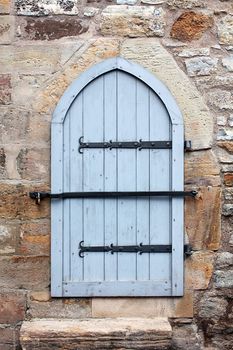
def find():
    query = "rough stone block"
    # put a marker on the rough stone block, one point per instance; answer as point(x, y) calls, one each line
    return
point(34, 238)
point(203, 51)
point(225, 30)
point(99, 334)
point(228, 179)
point(220, 99)
point(45, 8)
point(191, 26)
point(31, 272)
point(16, 204)
point(9, 338)
point(143, 307)
point(203, 218)
point(185, 337)
point(224, 260)
point(6, 29)
point(12, 306)
point(34, 164)
point(223, 279)
point(185, 4)
point(65, 308)
point(227, 62)
point(133, 21)
point(5, 6)
point(227, 209)
point(2, 163)
point(43, 295)
point(10, 118)
point(199, 270)
point(227, 145)
point(212, 307)
point(5, 89)
point(201, 66)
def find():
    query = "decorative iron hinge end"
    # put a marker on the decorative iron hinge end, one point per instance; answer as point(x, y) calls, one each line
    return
point(37, 196)
point(188, 250)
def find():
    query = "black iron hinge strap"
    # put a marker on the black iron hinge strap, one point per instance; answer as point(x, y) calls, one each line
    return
point(38, 196)
point(140, 248)
point(130, 144)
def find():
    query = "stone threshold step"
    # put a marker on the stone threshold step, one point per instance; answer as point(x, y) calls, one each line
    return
point(96, 333)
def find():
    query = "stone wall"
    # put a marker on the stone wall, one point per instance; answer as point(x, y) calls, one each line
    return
point(187, 44)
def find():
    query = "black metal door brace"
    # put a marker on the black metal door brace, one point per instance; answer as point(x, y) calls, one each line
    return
point(38, 196)
point(130, 145)
point(140, 248)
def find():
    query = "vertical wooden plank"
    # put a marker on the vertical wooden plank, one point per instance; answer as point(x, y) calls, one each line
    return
point(160, 218)
point(110, 179)
point(126, 174)
point(93, 179)
point(143, 167)
point(76, 185)
point(56, 210)
point(177, 210)
point(66, 202)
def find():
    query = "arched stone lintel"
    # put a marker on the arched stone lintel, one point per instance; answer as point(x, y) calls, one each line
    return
point(117, 63)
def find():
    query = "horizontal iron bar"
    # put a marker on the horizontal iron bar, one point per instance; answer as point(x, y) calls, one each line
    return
point(41, 195)
point(140, 248)
point(125, 144)
point(159, 248)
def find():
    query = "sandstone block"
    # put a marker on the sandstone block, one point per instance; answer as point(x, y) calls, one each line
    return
point(40, 295)
point(5, 89)
point(199, 270)
point(228, 179)
point(185, 4)
point(227, 145)
point(2, 163)
point(34, 238)
point(16, 204)
point(50, 28)
point(6, 29)
point(211, 307)
point(133, 21)
point(201, 169)
point(10, 118)
point(201, 66)
point(65, 308)
point(12, 306)
point(191, 26)
point(225, 30)
point(122, 333)
point(30, 272)
point(146, 307)
point(5, 6)
point(8, 237)
point(34, 164)
point(204, 233)
point(45, 8)
point(223, 279)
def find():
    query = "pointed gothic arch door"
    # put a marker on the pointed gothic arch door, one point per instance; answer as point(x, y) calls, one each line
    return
point(120, 101)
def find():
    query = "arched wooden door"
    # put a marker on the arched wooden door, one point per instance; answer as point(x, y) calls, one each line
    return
point(119, 101)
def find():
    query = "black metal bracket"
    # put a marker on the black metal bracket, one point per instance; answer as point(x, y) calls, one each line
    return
point(140, 248)
point(38, 196)
point(125, 144)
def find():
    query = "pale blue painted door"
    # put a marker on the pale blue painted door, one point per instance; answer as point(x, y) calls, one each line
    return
point(119, 101)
